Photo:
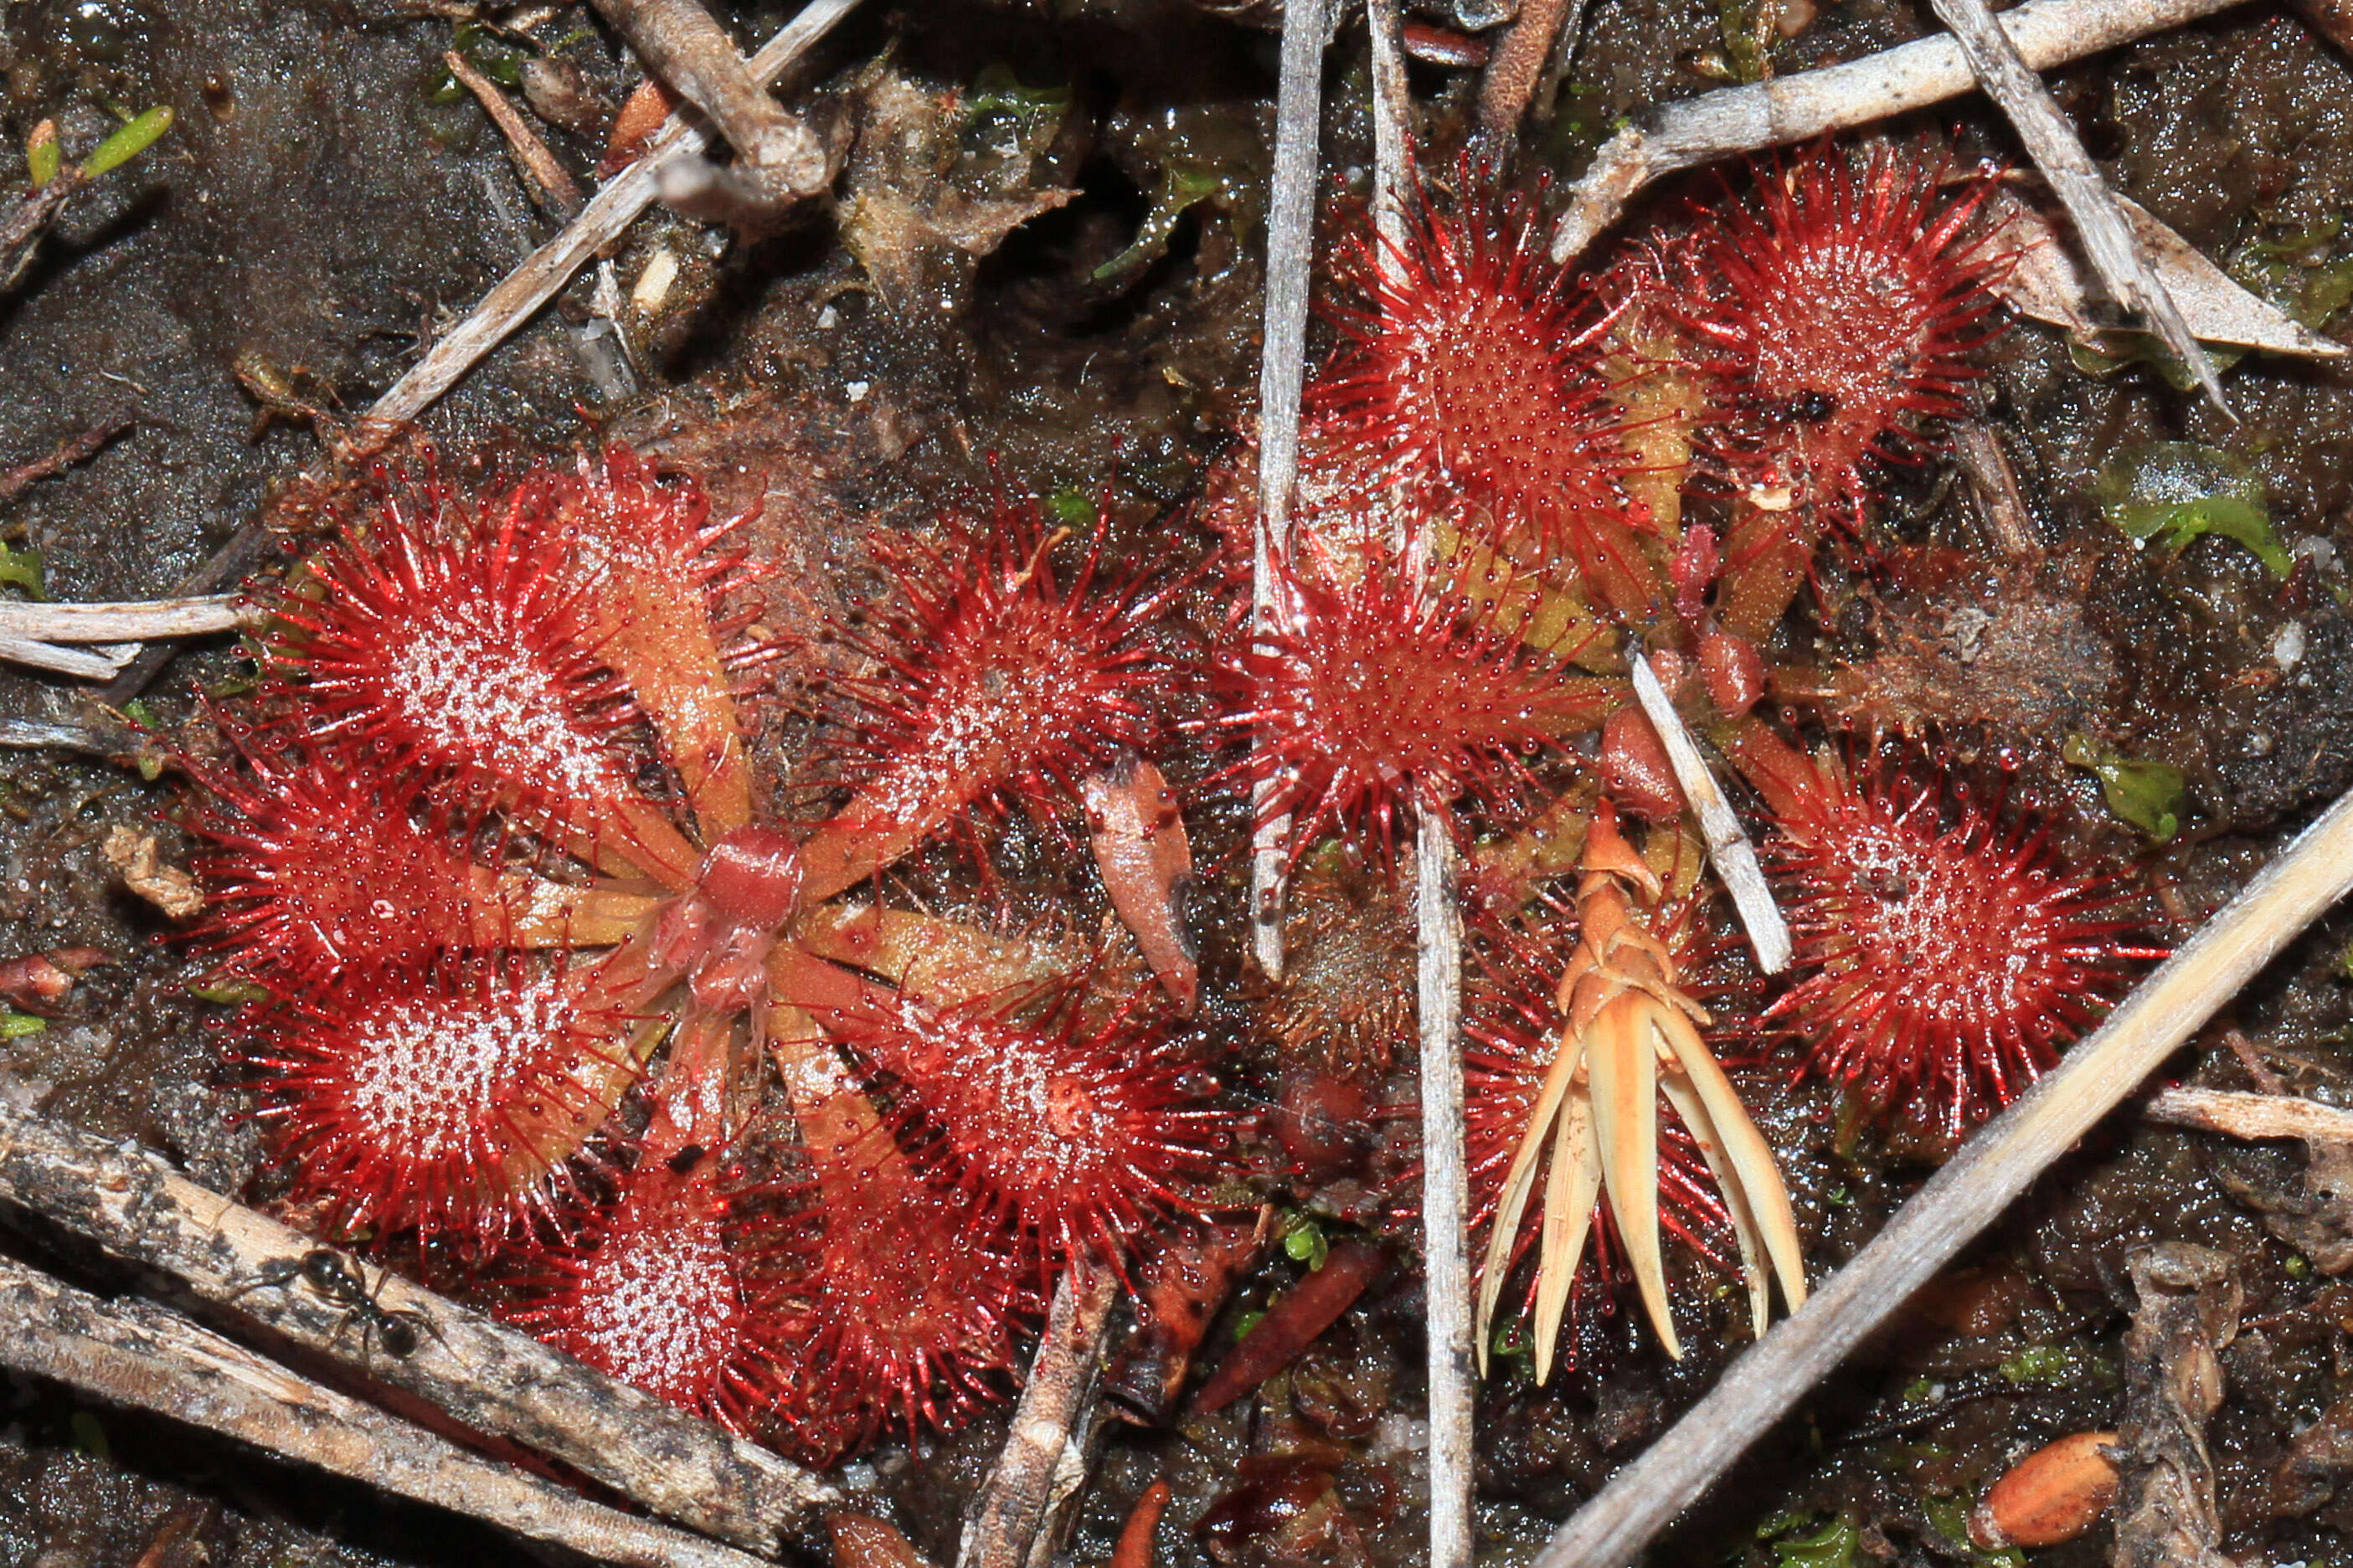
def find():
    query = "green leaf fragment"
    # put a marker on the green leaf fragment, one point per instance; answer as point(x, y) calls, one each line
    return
point(22, 568)
point(1304, 1240)
point(1003, 116)
point(15, 1025)
point(130, 141)
point(2176, 491)
point(43, 157)
point(1182, 186)
point(2151, 796)
point(1831, 1546)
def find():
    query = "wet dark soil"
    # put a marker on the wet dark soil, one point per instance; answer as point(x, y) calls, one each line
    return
point(325, 206)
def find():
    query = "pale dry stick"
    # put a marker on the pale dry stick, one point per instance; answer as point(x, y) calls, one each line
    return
point(2049, 139)
point(616, 204)
point(73, 661)
point(1728, 849)
point(1282, 372)
point(1733, 120)
point(778, 159)
point(490, 1377)
point(1043, 1460)
point(138, 1354)
point(1438, 943)
point(1445, 1189)
point(1968, 1194)
point(2238, 1114)
point(30, 634)
point(134, 620)
point(557, 188)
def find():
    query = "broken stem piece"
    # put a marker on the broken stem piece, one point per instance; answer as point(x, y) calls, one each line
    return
point(1728, 849)
point(558, 189)
point(138, 1354)
point(1969, 1193)
point(1445, 1188)
point(1283, 371)
point(778, 159)
point(130, 621)
point(2237, 1114)
point(1516, 69)
point(490, 1377)
point(1044, 1458)
point(2050, 140)
point(1733, 120)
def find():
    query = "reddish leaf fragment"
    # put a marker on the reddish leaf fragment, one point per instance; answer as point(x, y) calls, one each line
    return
point(1139, 843)
point(1291, 1325)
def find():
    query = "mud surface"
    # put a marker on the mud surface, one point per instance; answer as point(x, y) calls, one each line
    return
point(325, 206)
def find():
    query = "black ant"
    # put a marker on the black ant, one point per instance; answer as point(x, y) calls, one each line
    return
point(329, 1273)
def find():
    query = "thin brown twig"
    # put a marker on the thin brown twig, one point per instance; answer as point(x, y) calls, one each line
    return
point(1516, 69)
point(1044, 1458)
point(1791, 108)
point(72, 450)
point(2049, 139)
point(490, 1377)
point(1969, 1193)
point(558, 189)
point(138, 1354)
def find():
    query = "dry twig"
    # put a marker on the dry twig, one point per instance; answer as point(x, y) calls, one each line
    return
point(1044, 1460)
point(1991, 1169)
point(778, 159)
point(1283, 371)
point(558, 189)
point(138, 1354)
point(2237, 1114)
point(1733, 120)
point(1445, 1190)
point(1437, 974)
point(2050, 140)
point(490, 1377)
point(1728, 849)
point(70, 451)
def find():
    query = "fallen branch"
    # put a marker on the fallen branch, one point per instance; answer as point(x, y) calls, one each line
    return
point(1733, 119)
point(489, 1376)
point(30, 632)
point(139, 1355)
point(1969, 1193)
point(1044, 1460)
point(2049, 139)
